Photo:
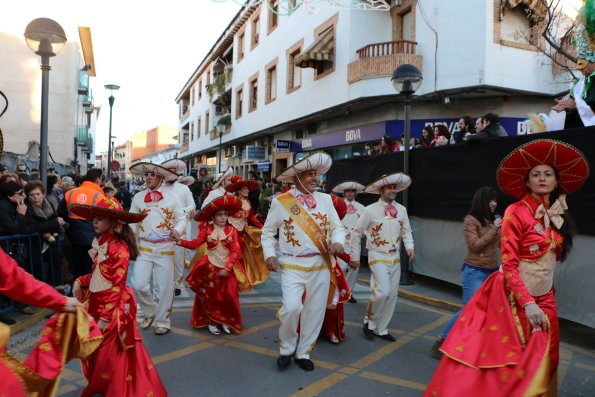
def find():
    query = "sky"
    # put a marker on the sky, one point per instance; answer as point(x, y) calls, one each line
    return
point(149, 48)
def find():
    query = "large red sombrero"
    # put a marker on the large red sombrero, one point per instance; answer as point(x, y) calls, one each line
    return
point(238, 182)
point(569, 162)
point(340, 206)
point(106, 207)
point(231, 204)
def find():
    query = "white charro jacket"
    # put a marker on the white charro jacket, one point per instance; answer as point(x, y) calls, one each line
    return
point(292, 239)
point(383, 234)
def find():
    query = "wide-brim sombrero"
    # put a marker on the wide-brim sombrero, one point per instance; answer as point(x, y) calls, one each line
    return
point(231, 204)
point(570, 163)
point(319, 161)
point(179, 165)
point(235, 186)
point(340, 206)
point(219, 180)
point(140, 169)
point(401, 180)
point(348, 185)
point(106, 207)
point(187, 180)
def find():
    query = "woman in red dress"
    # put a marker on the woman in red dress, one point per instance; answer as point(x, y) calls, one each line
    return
point(219, 275)
point(121, 366)
point(249, 231)
point(506, 340)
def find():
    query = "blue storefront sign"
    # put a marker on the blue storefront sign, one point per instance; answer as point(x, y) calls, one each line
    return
point(264, 166)
point(254, 153)
point(375, 131)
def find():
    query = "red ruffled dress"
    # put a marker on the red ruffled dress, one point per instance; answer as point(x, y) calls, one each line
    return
point(217, 300)
point(121, 366)
point(334, 323)
point(492, 349)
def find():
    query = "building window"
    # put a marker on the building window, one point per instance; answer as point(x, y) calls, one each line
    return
point(208, 82)
point(271, 82)
point(207, 126)
point(516, 25)
point(239, 101)
point(293, 72)
point(255, 32)
point(241, 40)
point(199, 89)
point(273, 15)
point(191, 131)
point(198, 128)
point(253, 94)
point(192, 96)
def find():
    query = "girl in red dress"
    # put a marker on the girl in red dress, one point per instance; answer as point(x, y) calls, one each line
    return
point(249, 231)
point(121, 366)
point(217, 276)
point(506, 339)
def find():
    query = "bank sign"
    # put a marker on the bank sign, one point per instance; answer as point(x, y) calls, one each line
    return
point(374, 131)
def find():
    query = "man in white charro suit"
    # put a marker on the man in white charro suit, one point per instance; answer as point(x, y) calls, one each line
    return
point(310, 234)
point(385, 223)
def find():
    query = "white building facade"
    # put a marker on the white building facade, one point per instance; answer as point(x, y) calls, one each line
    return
point(286, 84)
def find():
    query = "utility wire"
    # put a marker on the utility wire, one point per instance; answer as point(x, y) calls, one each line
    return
point(425, 17)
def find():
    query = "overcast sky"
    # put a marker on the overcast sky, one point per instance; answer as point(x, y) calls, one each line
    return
point(149, 48)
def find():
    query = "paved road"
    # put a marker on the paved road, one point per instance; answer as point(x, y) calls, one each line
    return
point(195, 363)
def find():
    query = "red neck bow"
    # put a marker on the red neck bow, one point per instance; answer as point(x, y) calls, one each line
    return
point(351, 209)
point(307, 199)
point(390, 211)
point(153, 196)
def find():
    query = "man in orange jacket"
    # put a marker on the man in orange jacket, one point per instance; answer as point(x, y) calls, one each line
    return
point(80, 231)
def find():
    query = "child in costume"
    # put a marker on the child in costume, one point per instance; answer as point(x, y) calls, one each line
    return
point(121, 366)
point(217, 276)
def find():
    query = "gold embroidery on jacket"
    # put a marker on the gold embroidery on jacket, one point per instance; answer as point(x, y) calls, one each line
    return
point(167, 222)
point(289, 233)
point(375, 234)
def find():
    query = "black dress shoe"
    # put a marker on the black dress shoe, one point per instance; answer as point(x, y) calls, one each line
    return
point(305, 364)
point(368, 332)
point(7, 320)
point(352, 300)
point(283, 361)
point(387, 337)
point(178, 292)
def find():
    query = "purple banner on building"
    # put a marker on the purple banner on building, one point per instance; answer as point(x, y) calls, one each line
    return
point(374, 131)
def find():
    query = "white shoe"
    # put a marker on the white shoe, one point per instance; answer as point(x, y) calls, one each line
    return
point(226, 329)
point(214, 330)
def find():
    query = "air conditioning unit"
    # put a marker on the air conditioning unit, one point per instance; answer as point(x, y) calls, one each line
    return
point(236, 151)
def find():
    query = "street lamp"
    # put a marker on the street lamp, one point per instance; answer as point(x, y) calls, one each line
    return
point(111, 88)
point(406, 80)
point(220, 129)
point(46, 38)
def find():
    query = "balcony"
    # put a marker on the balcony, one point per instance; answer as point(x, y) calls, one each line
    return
point(83, 138)
point(380, 59)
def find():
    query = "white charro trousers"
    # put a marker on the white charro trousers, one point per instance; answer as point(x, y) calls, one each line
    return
point(298, 275)
point(155, 260)
point(384, 287)
point(180, 262)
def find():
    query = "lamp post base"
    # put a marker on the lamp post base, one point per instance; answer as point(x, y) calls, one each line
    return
point(406, 278)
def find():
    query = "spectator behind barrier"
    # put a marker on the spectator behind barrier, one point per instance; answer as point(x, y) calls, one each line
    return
point(441, 136)
point(491, 129)
point(427, 136)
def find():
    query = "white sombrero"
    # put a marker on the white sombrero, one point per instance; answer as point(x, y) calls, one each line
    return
point(179, 165)
point(401, 180)
point(319, 161)
point(222, 176)
point(187, 180)
point(140, 169)
point(349, 185)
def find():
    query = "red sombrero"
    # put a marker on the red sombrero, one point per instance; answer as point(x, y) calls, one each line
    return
point(569, 162)
point(231, 204)
point(237, 182)
point(107, 207)
point(340, 206)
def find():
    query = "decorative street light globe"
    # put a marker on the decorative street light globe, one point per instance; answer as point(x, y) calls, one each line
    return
point(406, 79)
point(45, 37)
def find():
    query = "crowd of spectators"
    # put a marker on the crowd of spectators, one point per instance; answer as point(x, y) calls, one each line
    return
point(484, 127)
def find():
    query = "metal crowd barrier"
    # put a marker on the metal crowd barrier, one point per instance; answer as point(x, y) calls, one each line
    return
point(36, 256)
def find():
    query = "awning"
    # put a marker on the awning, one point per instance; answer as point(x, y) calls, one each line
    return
point(321, 50)
point(533, 5)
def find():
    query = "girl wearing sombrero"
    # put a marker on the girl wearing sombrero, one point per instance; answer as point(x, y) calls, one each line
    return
point(219, 275)
point(122, 355)
point(249, 230)
point(506, 341)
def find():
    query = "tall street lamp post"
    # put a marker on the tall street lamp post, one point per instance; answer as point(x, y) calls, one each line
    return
point(220, 129)
point(46, 38)
point(406, 80)
point(111, 88)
